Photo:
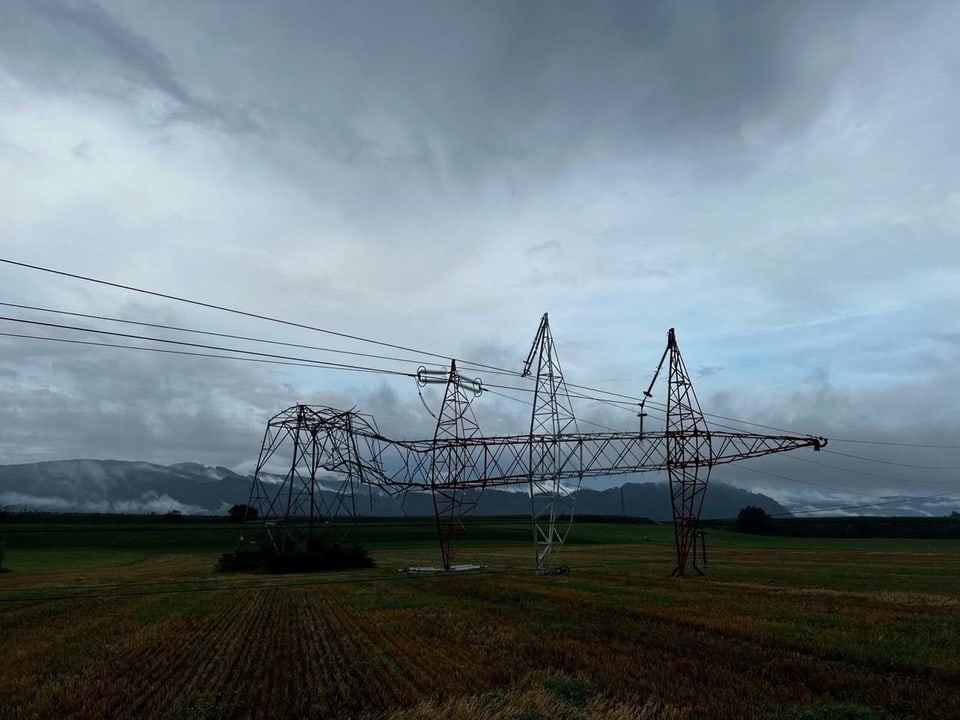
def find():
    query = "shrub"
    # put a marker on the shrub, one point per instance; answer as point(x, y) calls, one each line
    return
point(319, 555)
point(241, 513)
point(247, 558)
point(753, 519)
point(3, 558)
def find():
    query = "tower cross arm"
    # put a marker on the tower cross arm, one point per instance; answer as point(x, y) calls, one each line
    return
point(504, 460)
point(729, 447)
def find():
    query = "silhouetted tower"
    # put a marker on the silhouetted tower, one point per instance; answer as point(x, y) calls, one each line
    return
point(689, 456)
point(551, 502)
point(311, 462)
point(453, 465)
point(291, 495)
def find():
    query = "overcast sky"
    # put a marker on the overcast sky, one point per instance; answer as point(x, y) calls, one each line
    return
point(778, 181)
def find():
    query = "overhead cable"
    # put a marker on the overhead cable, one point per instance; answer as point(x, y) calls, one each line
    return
point(404, 348)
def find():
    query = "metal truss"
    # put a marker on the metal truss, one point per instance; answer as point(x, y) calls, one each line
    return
point(450, 466)
point(503, 460)
point(458, 462)
point(688, 446)
point(551, 501)
point(311, 462)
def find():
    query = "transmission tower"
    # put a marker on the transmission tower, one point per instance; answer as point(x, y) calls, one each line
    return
point(458, 462)
point(453, 463)
point(551, 502)
point(311, 462)
point(689, 456)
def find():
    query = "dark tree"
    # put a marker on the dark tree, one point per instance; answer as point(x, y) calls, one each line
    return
point(239, 513)
point(753, 519)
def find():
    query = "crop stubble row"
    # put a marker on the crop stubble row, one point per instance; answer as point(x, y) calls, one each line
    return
point(342, 650)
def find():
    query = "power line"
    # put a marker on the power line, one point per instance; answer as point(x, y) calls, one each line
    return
point(289, 323)
point(307, 364)
point(182, 343)
point(404, 348)
point(915, 532)
point(663, 406)
point(859, 472)
point(297, 361)
point(896, 444)
point(903, 501)
point(209, 333)
point(804, 482)
point(243, 313)
point(891, 462)
point(840, 467)
point(269, 358)
point(262, 357)
point(530, 404)
point(900, 501)
point(774, 427)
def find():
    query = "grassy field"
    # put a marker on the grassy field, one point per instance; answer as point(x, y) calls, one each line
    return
point(131, 621)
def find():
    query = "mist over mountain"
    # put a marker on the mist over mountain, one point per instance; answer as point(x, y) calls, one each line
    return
point(114, 486)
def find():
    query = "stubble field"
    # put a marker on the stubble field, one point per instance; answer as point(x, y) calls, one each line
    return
point(780, 628)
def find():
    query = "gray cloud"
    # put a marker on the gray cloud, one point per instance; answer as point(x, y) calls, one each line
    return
point(778, 181)
point(71, 47)
point(708, 370)
point(458, 87)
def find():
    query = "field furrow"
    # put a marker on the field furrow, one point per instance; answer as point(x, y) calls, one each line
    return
point(770, 634)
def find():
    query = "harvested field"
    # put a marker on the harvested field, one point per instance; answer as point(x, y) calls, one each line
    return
point(773, 632)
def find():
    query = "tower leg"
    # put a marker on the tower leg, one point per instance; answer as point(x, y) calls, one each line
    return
point(552, 512)
point(686, 495)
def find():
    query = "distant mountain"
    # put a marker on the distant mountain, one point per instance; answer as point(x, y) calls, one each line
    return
point(114, 486)
point(647, 500)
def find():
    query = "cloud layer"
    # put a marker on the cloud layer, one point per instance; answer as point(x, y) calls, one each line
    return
point(780, 182)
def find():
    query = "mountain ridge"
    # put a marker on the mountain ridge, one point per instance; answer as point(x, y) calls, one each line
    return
point(124, 486)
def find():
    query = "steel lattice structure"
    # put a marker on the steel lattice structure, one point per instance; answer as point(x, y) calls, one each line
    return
point(689, 453)
point(551, 501)
point(459, 461)
point(311, 462)
point(450, 467)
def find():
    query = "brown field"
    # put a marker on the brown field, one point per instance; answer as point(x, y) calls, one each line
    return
point(772, 633)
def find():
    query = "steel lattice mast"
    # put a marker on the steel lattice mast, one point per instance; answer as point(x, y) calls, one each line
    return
point(312, 460)
point(689, 456)
point(450, 466)
point(551, 502)
point(458, 460)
